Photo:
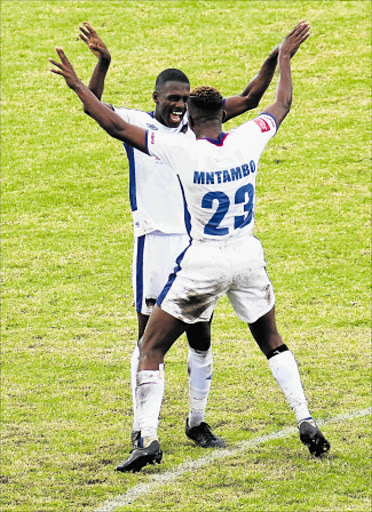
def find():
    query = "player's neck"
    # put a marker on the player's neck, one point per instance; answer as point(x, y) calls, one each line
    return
point(210, 129)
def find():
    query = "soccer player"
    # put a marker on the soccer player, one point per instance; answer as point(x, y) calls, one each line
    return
point(217, 172)
point(158, 217)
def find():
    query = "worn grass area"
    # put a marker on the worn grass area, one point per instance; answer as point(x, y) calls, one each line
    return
point(68, 323)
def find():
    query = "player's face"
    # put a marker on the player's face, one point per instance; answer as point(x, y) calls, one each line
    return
point(171, 103)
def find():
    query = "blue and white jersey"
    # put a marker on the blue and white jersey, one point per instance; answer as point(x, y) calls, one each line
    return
point(155, 194)
point(218, 177)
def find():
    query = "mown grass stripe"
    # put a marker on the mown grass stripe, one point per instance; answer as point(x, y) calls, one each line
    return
point(169, 476)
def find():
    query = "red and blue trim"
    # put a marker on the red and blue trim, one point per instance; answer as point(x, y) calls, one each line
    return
point(217, 142)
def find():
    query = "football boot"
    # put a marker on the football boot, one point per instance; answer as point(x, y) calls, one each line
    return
point(140, 457)
point(312, 437)
point(203, 436)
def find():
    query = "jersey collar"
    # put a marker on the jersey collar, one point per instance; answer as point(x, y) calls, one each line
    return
point(217, 142)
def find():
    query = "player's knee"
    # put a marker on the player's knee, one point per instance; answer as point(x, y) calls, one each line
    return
point(199, 337)
point(151, 350)
point(200, 345)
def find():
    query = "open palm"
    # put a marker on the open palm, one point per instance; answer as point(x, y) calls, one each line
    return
point(94, 42)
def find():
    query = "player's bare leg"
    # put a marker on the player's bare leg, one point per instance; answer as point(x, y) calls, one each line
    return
point(161, 332)
point(285, 370)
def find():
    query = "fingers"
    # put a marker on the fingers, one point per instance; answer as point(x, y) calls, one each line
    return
point(300, 33)
point(296, 27)
point(64, 68)
point(303, 27)
point(305, 31)
point(62, 56)
point(58, 65)
point(300, 27)
point(56, 71)
point(83, 38)
point(55, 63)
point(89, 28)
point(304, 34)
point(64, 60)
point(85, 32)
point(305, 37)
point(295, 38)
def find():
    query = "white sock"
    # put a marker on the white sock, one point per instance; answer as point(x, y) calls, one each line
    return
point(285, 370)
point(200, 369)
point(133, 377)
point(149, 396)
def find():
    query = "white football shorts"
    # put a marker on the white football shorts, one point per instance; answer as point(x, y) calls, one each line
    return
point(208, 270)
point(154, 257)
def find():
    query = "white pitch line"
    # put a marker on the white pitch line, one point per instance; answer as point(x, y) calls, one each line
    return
point(160, 479)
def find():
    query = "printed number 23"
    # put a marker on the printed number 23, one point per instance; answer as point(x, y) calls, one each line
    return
point(244, 195)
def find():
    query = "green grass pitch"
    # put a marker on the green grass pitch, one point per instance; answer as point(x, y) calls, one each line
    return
point(68, 322)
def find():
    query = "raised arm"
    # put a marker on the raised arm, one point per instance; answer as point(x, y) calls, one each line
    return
point(283, 100)
point(105, 117)
point(252, 94)
point(100, 50)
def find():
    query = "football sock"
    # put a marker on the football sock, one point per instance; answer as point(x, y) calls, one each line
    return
point(133, 376)
point(285, 370)
point(200, 369)
point(149, 396)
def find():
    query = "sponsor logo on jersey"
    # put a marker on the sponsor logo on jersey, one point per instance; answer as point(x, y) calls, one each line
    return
point(152, 139)
point(151, 126)
point(262, 124)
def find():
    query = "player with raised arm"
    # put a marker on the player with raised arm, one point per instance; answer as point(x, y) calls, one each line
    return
point(217, 172)
point(158, 216)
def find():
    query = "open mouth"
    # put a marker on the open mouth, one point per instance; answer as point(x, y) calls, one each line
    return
point(176, 116)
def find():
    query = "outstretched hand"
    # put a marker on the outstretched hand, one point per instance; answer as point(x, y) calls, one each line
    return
point(65, 69)
point(94, 42)
point(295, 38)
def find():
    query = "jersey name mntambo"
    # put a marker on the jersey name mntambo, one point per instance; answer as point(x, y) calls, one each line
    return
point(218, 177)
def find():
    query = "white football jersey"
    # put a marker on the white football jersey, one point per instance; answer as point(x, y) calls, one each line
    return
point(154, 190)
point(218, 177)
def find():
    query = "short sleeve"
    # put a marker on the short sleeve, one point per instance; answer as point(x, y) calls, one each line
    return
point(257, 131)
point(267, 124)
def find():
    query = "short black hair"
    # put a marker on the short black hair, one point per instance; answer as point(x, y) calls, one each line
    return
point(171, 75)
point(206, 98)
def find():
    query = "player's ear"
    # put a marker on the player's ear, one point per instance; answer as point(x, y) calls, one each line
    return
point(224, 116)
point(155, 96)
